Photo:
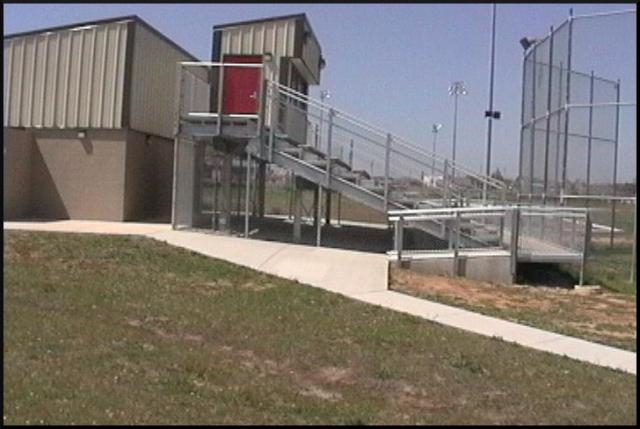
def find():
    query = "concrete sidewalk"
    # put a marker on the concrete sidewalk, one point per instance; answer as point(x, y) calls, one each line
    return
point(88, 226)
point(357, 275)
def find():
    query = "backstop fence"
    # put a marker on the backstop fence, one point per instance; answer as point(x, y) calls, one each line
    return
point(569, 142)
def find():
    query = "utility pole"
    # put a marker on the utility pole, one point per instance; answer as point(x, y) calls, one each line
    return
point(490, 114)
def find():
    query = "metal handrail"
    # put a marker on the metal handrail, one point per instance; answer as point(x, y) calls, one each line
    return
point(382, 133)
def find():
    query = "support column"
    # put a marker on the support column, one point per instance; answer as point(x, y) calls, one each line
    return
point(297, 211)
point(615, 167)
point(318, 215)
point(225, 206)
point(328, 208)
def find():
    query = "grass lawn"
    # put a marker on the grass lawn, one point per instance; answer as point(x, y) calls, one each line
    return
point(129, 330)
point(610, 266)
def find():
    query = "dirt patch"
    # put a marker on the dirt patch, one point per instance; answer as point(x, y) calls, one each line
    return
point(599, 315)
point(333, 375)
point(318, 392)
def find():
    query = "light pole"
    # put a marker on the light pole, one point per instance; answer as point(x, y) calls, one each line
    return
point(490, 113)
point(455, 89)
point(434, 128)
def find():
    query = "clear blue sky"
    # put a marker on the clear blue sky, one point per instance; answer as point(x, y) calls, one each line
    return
point(392, 64)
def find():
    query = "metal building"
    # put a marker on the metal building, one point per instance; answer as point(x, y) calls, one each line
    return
point(88, 121)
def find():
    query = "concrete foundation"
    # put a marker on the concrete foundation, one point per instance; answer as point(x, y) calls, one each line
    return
point(493, 268)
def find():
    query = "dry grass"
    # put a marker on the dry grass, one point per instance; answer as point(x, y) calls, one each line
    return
point(603, 316)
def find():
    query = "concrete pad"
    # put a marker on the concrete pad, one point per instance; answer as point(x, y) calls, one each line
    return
point(88, 227)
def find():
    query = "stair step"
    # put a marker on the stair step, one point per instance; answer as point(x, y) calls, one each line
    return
point(318, 162)
point(376, 189)
point(293, 151)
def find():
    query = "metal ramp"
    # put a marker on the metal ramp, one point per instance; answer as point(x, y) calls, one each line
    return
point(526, 234)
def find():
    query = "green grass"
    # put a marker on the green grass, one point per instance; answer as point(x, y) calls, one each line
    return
point(128, 330)
point(610, 268)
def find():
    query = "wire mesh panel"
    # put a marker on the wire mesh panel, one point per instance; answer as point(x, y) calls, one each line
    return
point(570, 115)
point(545, 232)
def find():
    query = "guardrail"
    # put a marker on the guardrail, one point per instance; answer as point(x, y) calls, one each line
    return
point(529, 233)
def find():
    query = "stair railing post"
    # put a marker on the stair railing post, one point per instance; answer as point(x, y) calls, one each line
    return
point(247, 192)
point(445, 180)
point(456, 247)
point(273, 119)
point(351, 154)
point(387, 156)
point(220, 98)
point(399, 226)
point(332, 114)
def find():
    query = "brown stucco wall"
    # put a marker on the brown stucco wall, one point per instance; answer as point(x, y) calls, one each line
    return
point(78, 178)
point(17, 151)
point(111, 175)
point(149, 177)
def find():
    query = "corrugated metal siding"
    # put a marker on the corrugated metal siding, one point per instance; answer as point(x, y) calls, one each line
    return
point(153, 88)
point(311, 55)
point(274, 37)
point(71, 78)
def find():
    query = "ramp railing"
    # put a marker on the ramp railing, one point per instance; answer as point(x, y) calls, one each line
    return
point(528, 233)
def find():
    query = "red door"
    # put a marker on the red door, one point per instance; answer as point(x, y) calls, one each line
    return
point(241, 85)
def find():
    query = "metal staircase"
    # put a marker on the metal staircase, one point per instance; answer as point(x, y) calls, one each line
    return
point(325, 146)
point(328, 149)
point(403, 185)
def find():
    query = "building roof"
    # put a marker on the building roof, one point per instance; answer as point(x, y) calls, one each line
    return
point(273, 18)
point(135, 18)
point(256, 21)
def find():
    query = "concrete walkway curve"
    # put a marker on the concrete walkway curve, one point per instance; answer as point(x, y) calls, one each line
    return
point(357, 275)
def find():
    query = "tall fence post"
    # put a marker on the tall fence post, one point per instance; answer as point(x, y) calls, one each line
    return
point(615, 166)
point(635, 239)
point(590, 136)
point(387, 157)
point(533, 124)
point(567, 101)
point(545, 184)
